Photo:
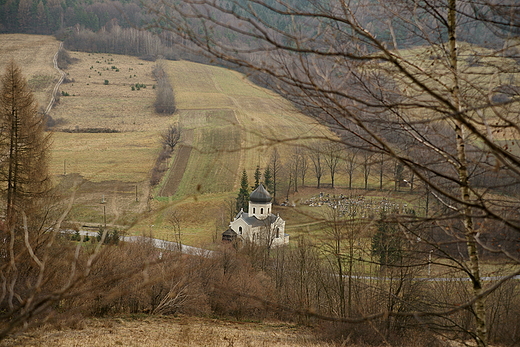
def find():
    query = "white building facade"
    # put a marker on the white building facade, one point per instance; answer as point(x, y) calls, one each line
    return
point(259, 225)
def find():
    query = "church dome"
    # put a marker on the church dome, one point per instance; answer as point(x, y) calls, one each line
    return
point(260, 194)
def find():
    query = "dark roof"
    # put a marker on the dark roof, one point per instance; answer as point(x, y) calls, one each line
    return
point(255, 222)
point(260, 194)
point(229, 235)
point(229, 232)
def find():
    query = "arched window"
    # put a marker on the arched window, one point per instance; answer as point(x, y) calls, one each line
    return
point(261, 211)
point(240, 230)
point(254, 210)
point(277, 232)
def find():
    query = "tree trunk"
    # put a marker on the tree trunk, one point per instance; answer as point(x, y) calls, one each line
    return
point(469, 231)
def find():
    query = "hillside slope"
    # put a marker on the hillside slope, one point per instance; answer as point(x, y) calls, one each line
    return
point(107, 135)
point(231, 125)
point(33, 53)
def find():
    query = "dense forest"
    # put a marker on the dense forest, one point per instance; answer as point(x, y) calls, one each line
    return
point(116, 26)
point(49, 16)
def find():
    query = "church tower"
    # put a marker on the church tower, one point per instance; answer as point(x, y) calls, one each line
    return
point(260, 203)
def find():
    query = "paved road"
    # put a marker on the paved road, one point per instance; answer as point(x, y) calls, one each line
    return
point(169, 245)
point(160, 244)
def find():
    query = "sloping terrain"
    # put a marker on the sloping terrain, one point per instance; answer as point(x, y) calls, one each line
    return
point(107, 135)
point(232, 125)
point(33, 53)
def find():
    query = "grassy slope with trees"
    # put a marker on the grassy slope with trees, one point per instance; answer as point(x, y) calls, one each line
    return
point(205, 136)
point(220, 114)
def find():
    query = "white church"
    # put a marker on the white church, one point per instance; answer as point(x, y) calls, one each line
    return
point(259, 225)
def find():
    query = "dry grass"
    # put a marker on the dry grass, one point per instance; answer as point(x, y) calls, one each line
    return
point(168, 331)
point(223, 111)
point(33, 53)
point(126, 157)
point(93, 104)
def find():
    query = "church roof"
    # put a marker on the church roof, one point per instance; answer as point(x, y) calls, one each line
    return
point(255, 222)
point(260, 194)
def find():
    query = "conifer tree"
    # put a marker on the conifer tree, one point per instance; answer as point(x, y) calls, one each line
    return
point(268, 180)
point(24, 146)
point(258, 176)
point(243, 194)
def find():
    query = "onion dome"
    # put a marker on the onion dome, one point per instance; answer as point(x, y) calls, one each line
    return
point(260, 194)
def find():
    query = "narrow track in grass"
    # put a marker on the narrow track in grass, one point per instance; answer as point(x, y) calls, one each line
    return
point(60, 81)
point(176, 171)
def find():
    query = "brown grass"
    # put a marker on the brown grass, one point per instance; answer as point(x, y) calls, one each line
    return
point(33, 53)
point(168, 331)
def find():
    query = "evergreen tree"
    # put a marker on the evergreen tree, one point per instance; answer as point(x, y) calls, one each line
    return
point(24, 146)
point(268, 180)
point(386, 244)
point(258, 176)
point(243, 194)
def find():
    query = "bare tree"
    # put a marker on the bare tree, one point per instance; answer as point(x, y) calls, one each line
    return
point(367, 165)
point(332, 154)
point(171, 137)
point(350, 165)
point(276, 168)
point(441, 93)
point(164, 97)
point(175, 220)
point(24, 148)
point(304, 163)
point(316, 155)
point(298, 166)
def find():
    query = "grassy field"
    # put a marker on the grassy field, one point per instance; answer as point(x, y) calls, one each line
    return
point(227, 124)
point(33, 53)
point(228, 115)
point(169, 331)
point(481, 73)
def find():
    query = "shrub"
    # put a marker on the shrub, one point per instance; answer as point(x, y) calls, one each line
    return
point(164, 98)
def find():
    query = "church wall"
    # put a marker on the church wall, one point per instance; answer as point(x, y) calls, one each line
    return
point(260, 210)
point(246, 229)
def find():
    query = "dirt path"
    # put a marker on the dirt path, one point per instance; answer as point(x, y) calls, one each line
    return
point(60, 81)
point(176, 171)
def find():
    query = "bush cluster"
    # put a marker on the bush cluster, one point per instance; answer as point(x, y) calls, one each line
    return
point(90, 130)
point(254, 283)
point(164, 98)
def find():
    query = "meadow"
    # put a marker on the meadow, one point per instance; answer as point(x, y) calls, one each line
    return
point(107, 136)
point(34, 54)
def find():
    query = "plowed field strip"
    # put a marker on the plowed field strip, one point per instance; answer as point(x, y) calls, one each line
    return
point(176, 171)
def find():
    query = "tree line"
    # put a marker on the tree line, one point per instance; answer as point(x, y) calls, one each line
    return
point(50, 16)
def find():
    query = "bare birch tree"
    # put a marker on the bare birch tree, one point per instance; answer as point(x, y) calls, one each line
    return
point(446, 95)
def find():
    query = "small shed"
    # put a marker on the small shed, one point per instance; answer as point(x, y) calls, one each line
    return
point(229, 235)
